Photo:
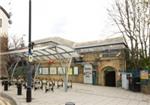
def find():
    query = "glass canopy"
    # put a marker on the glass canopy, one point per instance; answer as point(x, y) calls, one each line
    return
point(46, 50)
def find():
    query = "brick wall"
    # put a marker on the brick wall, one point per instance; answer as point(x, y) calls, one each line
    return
point(3, 59)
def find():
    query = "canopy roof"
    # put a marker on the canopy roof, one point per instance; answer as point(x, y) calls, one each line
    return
point(6, 13)
point(115, 43)
point(54, 48)
point(49, 49)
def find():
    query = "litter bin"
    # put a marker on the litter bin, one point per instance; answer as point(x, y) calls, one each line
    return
point(5, 85)
point(19, 89)
point(136, 85)
point(69, 103)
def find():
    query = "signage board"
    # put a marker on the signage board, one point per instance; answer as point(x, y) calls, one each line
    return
point(88, 73)
point(30, 58)
point(144, 74)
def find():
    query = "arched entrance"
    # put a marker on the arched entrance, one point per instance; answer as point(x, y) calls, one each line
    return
point(110, 76)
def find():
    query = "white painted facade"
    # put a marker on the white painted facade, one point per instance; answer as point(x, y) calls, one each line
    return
point(3, 22)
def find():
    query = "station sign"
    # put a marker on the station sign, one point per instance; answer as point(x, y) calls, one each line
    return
point(30, 58)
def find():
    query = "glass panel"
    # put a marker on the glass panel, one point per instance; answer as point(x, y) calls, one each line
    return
point(60, 50)
point(53, 70)
point(38, 58)
point(68, 49)
point(40, 71)
point(61, 71)
point(44, 52)
point(37, 53)
point(50, 51)
point(45, 58)
point(45, 70)
point(52, 57)
point(76, 71)
point(66, 55)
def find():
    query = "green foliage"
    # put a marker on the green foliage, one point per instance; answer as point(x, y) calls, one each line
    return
point(145, 63)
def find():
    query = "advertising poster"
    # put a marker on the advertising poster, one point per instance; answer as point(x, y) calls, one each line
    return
point(144, 74)
point(88, 73)
point(70, 71)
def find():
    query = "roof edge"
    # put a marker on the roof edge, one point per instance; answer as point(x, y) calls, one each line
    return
point(6, 13)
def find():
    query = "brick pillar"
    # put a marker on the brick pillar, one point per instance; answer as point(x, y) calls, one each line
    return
point(3, 58)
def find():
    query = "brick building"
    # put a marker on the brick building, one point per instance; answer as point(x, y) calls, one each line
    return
point(97, 62)
point(100, 62)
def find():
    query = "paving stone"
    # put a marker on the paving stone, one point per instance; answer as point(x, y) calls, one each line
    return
point(82, 94)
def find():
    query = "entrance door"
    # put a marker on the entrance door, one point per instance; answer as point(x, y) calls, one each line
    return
point(94, 77)
point(110, 79)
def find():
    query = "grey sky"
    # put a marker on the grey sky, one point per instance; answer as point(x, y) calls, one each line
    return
point(77, 20)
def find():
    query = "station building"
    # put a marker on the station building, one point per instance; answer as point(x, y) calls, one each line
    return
point(98, 62)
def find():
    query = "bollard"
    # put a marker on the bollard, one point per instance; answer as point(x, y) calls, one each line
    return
point(5, 85)
point(69, 103)
point(19, 89)
point(28, 97)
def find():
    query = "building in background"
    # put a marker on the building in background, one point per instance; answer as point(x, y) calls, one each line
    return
point(4, 21)
point(4, 24)
point(100, 62)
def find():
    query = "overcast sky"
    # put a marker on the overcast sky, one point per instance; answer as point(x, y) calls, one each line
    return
point(76, 20)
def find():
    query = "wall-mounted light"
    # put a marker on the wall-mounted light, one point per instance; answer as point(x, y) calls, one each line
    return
point(10, 21)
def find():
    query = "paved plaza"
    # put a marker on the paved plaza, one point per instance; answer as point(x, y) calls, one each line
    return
point(82, 94)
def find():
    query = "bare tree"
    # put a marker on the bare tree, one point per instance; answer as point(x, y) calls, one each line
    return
point(132, 17)
point(16, 42)
point(7, 61)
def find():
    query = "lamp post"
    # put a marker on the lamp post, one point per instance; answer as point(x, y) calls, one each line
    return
point(29, 71)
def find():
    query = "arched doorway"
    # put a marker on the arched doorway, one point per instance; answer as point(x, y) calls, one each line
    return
point(110, 76)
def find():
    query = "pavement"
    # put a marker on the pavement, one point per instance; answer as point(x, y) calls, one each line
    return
point(82, 94)
point(6, 99)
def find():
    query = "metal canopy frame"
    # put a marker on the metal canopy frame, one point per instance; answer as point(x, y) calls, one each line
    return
point(50, 50)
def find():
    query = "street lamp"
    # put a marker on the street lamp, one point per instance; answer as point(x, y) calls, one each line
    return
point(29, 71)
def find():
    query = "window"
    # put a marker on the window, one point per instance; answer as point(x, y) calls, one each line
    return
point(40, 71)
point(61, 70)
point(45, 71)
point(53, 70)
point(76, 72)
point(0, 22)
